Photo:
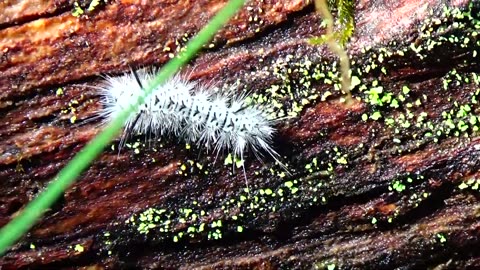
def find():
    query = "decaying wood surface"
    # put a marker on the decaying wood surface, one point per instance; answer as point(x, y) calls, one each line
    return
point(387, 181)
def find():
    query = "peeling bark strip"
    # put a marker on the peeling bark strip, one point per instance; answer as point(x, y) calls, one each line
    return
point(388, 181)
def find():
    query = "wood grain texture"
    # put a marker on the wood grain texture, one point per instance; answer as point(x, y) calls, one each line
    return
point(386, 181)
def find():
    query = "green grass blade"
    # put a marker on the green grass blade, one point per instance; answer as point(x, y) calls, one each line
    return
point(17, 227)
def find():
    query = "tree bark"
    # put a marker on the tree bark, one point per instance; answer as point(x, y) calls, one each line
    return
point(387, 180)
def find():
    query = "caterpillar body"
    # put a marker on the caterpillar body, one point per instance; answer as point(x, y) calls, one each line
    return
point(190, 112)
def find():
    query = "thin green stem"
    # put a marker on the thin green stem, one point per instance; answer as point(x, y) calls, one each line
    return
point(17, 227)
point(322, 8)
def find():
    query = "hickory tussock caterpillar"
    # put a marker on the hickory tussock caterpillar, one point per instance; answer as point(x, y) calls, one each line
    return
point(191, 112)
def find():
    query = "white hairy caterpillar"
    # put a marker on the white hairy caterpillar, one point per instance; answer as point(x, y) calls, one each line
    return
point(191, 112)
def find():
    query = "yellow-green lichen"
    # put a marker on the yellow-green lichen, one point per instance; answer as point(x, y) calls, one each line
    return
point(78, 248)
point(472, 183)
point(401, 106)
point(82, 7)
point(441, 238)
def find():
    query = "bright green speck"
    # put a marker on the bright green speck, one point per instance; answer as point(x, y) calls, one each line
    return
point(289, 184)
point(331, 266)
point(228, 160)
point(441, 238)
point(59, 91)
point(376, 115)
point(463, 185)
point(79, 248)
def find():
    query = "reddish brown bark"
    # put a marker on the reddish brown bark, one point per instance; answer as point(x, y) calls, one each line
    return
point(374, 183)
